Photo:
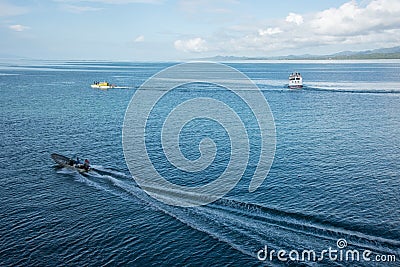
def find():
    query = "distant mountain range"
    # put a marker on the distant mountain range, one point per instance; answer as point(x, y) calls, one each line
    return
point(382, 53)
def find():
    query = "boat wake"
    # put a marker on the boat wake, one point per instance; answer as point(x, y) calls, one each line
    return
point(247, 227)
point(377, 88)
point(343, 87)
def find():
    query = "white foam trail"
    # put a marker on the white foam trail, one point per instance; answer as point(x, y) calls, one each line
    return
point(356, 86)
point(244, 227)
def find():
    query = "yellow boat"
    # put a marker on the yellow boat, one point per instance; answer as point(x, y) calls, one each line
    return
point(102, 85)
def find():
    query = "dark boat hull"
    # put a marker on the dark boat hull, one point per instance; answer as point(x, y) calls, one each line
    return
point(64, 161)
point(295, 86)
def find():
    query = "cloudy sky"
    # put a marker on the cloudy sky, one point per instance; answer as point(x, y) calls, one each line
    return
point(168, 30)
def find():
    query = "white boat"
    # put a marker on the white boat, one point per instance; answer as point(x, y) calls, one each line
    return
point(295, 80)
point(102, 85)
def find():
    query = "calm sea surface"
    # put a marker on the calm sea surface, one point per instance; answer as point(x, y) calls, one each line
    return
point(335, 175)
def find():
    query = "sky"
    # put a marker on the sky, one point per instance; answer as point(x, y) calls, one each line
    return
point(151, 30)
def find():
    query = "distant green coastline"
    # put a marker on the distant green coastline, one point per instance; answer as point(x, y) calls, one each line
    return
point(370, 56)
point(383, 53)
point(356, 56)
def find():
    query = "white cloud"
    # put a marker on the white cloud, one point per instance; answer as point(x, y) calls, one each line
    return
point(18, 27)
point(80, 9)
point(127, 1)
point(118, 2)
point(351, 26)
point(139, 39)
point(295, 18)
point(192, 45)
point(351, 19)
point(269, 31)
point(80, 6)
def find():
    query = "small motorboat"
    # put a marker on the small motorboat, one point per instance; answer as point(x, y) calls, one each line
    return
point(64, 161)
point(102, 85)
point(295, 80)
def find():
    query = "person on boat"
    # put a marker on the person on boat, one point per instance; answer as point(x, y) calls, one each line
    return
point(77, 161)
point(86, 164)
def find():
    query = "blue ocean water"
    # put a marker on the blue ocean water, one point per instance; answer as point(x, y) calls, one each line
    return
point(335, 174)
